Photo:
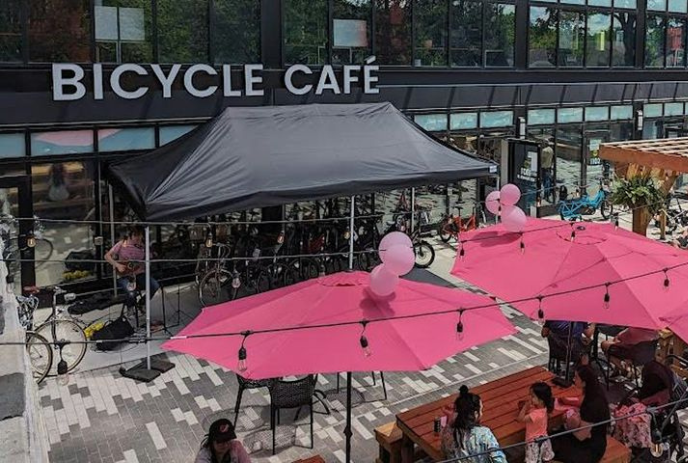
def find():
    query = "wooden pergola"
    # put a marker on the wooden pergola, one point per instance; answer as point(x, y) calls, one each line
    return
point(662, 159)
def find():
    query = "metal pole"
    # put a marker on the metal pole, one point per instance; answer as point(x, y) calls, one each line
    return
point(347, 429)
point(351, 233)
point(148, 317)
point(413, 209)
point(111, 199)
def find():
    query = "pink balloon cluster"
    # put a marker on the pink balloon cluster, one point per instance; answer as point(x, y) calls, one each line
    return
point(503, 203)
point(397, 256)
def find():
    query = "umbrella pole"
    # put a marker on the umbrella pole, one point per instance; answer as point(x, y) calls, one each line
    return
point(148, 315)
point(347, 429)
point(111, 199)
point(351, 233)
point(568, 352)
point(413, 209)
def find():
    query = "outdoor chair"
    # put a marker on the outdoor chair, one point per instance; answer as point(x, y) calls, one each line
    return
point(291, 394)
point(244, 384)
point(640, 355)
point(557, 353)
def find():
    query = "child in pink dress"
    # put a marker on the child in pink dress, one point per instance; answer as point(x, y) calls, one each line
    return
point(534, 414)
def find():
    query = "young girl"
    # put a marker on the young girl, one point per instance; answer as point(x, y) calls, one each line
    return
point(534, 415)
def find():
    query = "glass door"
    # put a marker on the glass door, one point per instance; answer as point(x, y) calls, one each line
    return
point(596, 171)
point(524, 171)
point(19, 241)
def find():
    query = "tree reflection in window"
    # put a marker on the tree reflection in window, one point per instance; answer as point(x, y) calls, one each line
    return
point(623, 45)
point(431, 32)
point(183, 31)
point(393, 31)
point(305, 31)
point(10, 30)
point(236, 33)
point(59, 30)
point(571, 38)
point(654, 42)
point(542, 37)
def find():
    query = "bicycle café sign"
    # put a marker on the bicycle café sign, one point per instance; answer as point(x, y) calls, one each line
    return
point(68, 80)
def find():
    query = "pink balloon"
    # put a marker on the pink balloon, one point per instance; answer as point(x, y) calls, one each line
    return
point(510, 194)
point(492, 202)
point(513, 219)
point(382, 282)
point(393, 239)
point(399, 259)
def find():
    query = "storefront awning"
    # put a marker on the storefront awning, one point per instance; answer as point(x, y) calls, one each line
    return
point(259, 157)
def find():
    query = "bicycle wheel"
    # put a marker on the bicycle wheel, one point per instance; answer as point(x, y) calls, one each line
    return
point(215, 287)
point(606, 208)
point(68, 331)
point(425, 254)
point(282, 275)
point(256, 280)
point(40, 355)
point(42, 252)
point(446, 230)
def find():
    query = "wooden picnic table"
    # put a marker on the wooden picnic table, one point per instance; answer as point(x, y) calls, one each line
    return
point(500, 409)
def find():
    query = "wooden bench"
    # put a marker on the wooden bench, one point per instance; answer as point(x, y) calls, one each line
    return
point(616, 452)
point(389, 437)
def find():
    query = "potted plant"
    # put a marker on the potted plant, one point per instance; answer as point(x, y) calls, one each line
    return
point(643, 196)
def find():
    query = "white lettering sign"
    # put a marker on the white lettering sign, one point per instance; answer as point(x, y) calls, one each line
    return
point(202, 81)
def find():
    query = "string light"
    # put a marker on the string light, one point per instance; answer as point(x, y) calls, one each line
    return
point(462, 252)
point(522, 245)
point(607, 297)
point(573, 233)
point(131, 283)
point(538, 201)
point(31, 239)
point(459, 327)
point(541, 312)
point(242, 365)
point(616, 220)
point(666, 278)
point(236, 281)
point(364, 341)
point(209, 240)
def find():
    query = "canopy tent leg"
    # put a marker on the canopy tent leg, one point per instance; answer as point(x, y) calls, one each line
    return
point(351, 233)
point(413, 209)
point(148, 308)
point(347, 429)
point(111, 199)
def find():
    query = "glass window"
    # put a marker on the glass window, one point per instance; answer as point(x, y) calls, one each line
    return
point(62, 142)
point(678, 6)
point(431, 33)
point(464, 121)
point(123, 31)
point(466, 33)
point(393, 31)
point(10, 30)
point(236, 33)
point(597, 52)
point(568, 115)
point(496, 119)
point(653, 110)
point(183, 31)
point(568, 158)
point(351, 31)
point(305, 31)
point(12, 145)
point(623, 36)
point(621, 112)
point(625, 4)
point(172, 132)
point(126, 139)
point(432, 122)
point(571, 38)
point(574, 2)
point(596, 114)
point(654, 42)
point(675, 42)
point(64, 191)
point(59, 31)
point(600, 2)
point(499, 35)
point(673, 109)
point(656, 5)
point(540, 116)
point(542, 37)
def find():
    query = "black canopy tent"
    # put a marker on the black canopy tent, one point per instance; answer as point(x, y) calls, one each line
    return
point(268, 156)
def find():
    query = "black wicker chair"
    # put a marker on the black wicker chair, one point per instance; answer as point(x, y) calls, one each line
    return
point(640, 355)
point(244, 384)
point(291, 394)
point(372, 373)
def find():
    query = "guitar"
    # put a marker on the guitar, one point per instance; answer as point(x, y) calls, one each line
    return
point(132, 268)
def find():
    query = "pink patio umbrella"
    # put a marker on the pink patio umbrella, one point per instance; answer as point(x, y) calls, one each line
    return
point(677, 321)
point(337, 303)
point(551, 264)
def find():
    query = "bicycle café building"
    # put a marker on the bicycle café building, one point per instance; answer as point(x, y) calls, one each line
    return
point(534, 86)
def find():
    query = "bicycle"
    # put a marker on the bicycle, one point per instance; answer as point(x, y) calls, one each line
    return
point(66, 337)
point(574, 209)
point(454, 225)
point(37, 347)
point(42, 248)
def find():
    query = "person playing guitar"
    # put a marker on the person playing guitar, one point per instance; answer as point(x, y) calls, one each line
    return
point(127, 258)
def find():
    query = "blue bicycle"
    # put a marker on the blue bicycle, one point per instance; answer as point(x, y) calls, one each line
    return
point(574, 209)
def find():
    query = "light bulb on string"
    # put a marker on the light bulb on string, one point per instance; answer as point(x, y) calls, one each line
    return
point(541, 312)
point(363, 341)
point(462, 252)
point(522, 245)
point(459, 327)
point(657, 449)
point(667, 283)
point(209, 240)
point(31, 239)
point(236, 280)
point(573, 233)
point(607, 297)
point(131, 284)
point(616, 220)
point(242, 364)
point(321, 271)
point(538, 201)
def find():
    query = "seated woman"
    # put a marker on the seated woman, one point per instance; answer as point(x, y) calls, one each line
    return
point(620, 348)
point(465, 436)
point(221, 445)
point(589, 444)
